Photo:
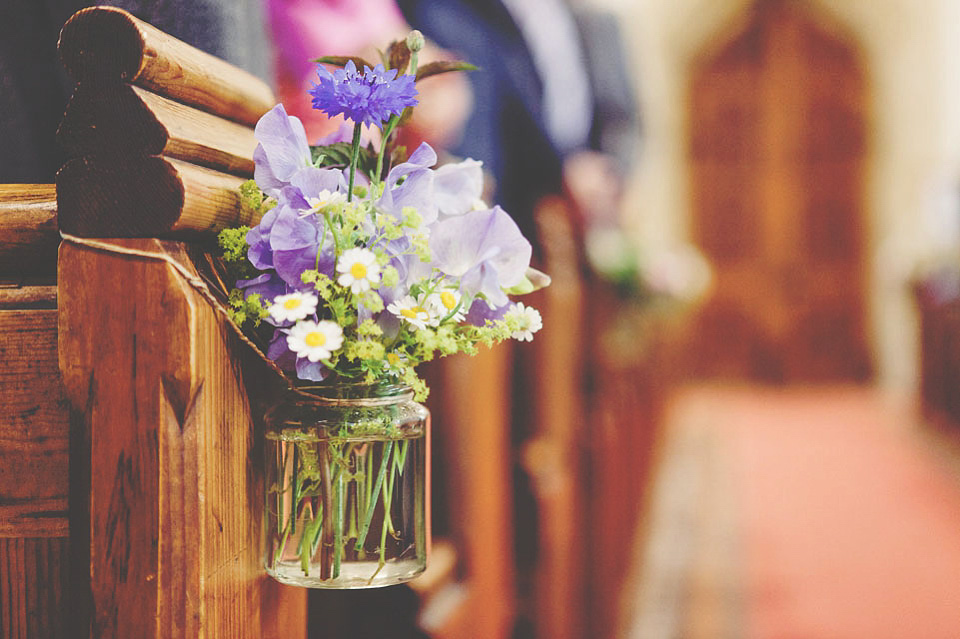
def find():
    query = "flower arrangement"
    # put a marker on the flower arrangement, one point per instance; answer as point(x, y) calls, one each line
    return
point(365, 266)
point(365, 263)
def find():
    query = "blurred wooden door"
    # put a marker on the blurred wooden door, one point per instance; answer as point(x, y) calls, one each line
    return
point(777, 150)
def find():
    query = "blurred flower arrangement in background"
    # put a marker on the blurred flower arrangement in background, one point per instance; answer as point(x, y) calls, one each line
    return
point(656, 278)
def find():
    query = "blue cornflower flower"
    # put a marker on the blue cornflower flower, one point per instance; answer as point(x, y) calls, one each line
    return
point(370, 97)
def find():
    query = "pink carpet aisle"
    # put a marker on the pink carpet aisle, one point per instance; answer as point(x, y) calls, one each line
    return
point(801, 514)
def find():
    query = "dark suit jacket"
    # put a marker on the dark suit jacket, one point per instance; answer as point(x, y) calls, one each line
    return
point(506, 129)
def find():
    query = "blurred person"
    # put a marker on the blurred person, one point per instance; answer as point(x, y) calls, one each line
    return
point(554, 112)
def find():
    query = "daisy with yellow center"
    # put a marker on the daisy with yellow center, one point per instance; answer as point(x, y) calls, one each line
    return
point(315, 340)
point(292, 307)
point(394, 361)
point(413, 312)
point(358, 269)
point(446, 302)
point(528, 321)
point(325, 199)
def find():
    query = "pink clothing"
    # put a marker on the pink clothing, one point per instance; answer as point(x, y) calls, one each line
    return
point(306, 29)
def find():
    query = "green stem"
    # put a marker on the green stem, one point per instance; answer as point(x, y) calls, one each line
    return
point(338, 523)
point(295, 505)
point(281, 489)
point(323, 236)
point(387, 132)
point(317, 528)
point(333, 232)
point(283, 543)
point(388, 495)
point(368, 516)
point(387, 523)
point(353, 159)
point(400, 459)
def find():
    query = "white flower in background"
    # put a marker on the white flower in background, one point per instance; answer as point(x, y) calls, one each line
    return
point(528, 321)
point(324, 199)
point(411, 311)
point(443, 303)
point(315, 340)
point(359, 269)
point(292, 307)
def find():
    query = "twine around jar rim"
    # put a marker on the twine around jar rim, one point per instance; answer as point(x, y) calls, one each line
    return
point(342, 393)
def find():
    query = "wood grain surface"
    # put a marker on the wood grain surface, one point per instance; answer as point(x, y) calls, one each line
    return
point(146, 197)
point(103, 45)
point(34, 427)
point(175, 442)
point(34, 589)
point(126, 120)
point(28, 230)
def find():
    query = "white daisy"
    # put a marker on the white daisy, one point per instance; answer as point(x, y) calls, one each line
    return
point(315, 340)
point(324, 199)
point(394, 362)
point(292, 307)
point(528, 321)
point(443, 302)
point(359, 269)
point(412, 311)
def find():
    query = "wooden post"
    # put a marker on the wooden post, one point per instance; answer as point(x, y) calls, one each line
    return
point(174, 442)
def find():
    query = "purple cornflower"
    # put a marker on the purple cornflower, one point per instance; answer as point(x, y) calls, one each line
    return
point(370, 97)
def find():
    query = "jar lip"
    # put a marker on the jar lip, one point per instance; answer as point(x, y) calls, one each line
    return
point(351, 392)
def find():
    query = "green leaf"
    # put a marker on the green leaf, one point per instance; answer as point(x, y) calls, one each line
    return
point(443, 66)
point(338, 155)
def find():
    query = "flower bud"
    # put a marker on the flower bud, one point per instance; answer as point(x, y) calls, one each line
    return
point(415, 41)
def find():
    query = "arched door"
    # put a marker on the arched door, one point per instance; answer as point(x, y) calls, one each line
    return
point(777, 149)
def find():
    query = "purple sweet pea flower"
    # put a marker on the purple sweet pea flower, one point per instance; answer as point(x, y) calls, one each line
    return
point(370, 97)
point(258, 240)
point(314, 371)
point(485, 250)
point(279, 352)
point(282, 150)
point(295, 241)
point(457, 187)
point(268, 286)
point(480, 312)
point(344, 133)
point(308, 183)
point(416, 190)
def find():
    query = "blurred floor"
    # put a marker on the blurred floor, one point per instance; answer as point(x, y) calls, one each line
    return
point(799, 514)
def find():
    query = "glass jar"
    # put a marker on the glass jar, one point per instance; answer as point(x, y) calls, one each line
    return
point(346, 487)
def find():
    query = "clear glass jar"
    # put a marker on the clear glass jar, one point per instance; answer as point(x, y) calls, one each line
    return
point(346, 487)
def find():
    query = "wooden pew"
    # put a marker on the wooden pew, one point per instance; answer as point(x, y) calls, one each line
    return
point(599, 375)
point(35, 550)
point(131, 510)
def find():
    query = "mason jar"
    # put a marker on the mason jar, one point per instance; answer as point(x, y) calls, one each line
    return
point(346, 487)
